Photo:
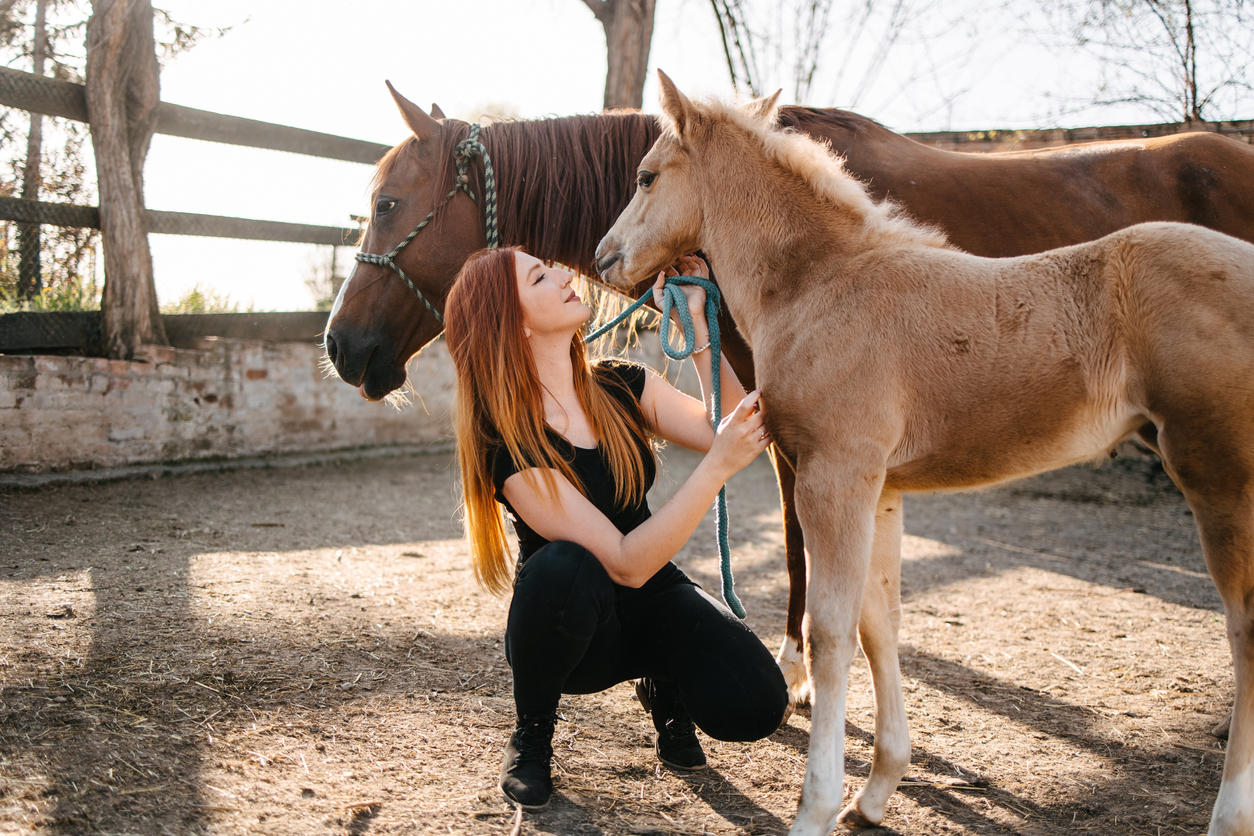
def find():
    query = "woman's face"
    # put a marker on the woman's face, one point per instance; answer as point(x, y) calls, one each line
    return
point(549, 303)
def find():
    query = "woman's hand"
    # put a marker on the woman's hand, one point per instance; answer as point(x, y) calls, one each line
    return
point(688, 265)
point(741, 436)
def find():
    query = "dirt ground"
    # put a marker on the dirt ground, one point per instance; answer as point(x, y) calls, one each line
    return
point(304, 651)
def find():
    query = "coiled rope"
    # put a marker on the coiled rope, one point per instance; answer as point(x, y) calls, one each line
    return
point(673, 298)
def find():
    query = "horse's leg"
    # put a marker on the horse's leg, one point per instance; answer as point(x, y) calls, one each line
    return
point(791, 656)
point(1149, 434)
point(1218, 482)
point(836, 507)
point(878, 627)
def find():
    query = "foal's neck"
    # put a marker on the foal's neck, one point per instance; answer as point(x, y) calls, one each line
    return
point(761, 264)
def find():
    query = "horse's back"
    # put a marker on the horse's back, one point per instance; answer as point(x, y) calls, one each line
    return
point(1021, 202)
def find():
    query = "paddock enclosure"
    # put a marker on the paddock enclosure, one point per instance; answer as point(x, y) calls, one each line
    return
point(305, 651)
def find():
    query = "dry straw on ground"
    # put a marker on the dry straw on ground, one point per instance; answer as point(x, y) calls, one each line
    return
point(304, 651)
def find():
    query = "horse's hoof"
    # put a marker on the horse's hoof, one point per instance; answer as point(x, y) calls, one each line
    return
point(792, 664)
point(1220, 731)
point(853, 819)
point(787, 713)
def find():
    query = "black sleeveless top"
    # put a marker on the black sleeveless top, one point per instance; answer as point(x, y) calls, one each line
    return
point(625, 382)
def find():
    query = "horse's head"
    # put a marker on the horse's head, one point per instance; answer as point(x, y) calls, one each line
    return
point(664, 218)
point(377, 322)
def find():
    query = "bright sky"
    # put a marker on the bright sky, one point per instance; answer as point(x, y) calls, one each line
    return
point(320, 65)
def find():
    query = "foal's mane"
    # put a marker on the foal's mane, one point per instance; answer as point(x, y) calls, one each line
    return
point(823, 171)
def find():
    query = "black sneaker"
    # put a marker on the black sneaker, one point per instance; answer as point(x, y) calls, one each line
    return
point(676, 744)
point(526, 774)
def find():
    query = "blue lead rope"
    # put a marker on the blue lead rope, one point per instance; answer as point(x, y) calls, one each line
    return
point(673, 297)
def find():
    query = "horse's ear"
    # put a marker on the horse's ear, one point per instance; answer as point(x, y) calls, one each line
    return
point(420, 123)
point(436, 113)
point(764, 108)
point(675, 104)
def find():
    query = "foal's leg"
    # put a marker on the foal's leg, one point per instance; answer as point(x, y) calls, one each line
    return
point(1227, 530)
point(1218, 482)
point(878, 629)
point(791, 656)
point(837, 509)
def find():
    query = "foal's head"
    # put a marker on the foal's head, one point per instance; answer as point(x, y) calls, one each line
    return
point(665, 214)
point(725, 173)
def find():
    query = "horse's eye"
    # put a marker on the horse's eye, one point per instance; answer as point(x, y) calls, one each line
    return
point(646, 178)
point(382, 207)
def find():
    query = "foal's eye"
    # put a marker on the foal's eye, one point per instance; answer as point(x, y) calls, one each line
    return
point(646, 178)
point(384, 205)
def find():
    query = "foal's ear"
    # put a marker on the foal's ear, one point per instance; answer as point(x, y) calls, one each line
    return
point(675, 104)
point(420, 123)
point(436, 113)
point(765, 107)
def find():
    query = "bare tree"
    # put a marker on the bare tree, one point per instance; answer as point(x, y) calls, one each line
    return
point(740, 44)
point(770, 43)
point(29, 280)
point(1186, 60)
point(628, 28)
point(123, 91)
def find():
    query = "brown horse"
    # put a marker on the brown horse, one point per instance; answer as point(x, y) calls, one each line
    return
point(933, 369)
point(563, 181)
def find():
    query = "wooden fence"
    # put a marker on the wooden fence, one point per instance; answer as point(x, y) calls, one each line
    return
point(50, 97)
point(81, 331)
point(1027, 140)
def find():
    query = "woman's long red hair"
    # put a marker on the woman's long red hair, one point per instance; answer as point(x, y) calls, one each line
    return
point(500, 401)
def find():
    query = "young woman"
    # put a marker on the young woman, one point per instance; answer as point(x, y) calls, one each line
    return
point(565, 446)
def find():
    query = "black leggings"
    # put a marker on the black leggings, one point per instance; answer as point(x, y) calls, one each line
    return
point(574, 631)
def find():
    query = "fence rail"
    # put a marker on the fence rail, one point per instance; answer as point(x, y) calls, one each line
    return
point(51, 97)
point(179, 223)
point(1015, 140)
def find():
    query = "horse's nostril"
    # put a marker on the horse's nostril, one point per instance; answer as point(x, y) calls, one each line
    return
point(332, 350)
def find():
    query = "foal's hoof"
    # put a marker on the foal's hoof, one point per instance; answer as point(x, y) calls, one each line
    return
point(787, 714)
point(792, 664)
point(1220, 731)
point(853, 819)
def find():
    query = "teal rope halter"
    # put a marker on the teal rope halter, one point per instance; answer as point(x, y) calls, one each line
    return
point(462, 154)
point(673, 297)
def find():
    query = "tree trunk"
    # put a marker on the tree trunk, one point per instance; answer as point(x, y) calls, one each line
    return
point(628, 28)
point(122, 97)
point(29, 278)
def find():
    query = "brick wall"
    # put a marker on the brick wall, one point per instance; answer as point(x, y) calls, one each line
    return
point(234, 398)
point(1026, 140)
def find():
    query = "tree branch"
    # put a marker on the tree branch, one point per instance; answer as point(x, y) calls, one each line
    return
point(603, 9)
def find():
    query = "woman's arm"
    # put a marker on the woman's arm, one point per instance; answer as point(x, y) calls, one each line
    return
point(671, 414)
point(632, 559)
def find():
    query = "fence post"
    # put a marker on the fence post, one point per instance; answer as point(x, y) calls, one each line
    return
point(122, 99)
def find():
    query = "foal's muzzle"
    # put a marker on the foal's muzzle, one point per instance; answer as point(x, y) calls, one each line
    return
point(604, 263)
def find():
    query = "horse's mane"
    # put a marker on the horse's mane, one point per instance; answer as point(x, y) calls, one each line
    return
point(560, 182)
point(814, 162)
point(819, 121)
